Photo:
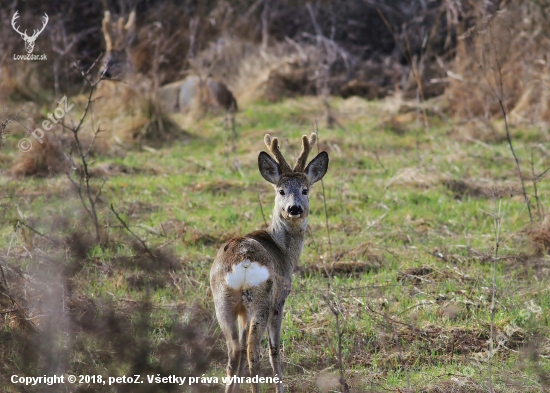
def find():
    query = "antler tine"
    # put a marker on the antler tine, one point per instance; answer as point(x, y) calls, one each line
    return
point(307, 146)
point(106, 20)
point(106, 33)
point(267, 141)
point(120, 27)
point(273, 145)
point(130, 24)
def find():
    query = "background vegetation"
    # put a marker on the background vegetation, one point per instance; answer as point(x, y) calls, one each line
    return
point(428, 271)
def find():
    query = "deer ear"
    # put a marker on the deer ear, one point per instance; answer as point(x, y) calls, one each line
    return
point(269, 169)
point(317, 167)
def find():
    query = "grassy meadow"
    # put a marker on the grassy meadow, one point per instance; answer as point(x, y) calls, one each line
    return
point(400, 262)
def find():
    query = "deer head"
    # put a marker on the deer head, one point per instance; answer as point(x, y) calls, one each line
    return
point(118, 38)
point(292, 184)
point(29, 41)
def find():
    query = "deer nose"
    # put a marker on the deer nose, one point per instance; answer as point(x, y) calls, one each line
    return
point(295, 210)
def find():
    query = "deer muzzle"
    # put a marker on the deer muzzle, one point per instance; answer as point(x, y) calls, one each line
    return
point(295, 211)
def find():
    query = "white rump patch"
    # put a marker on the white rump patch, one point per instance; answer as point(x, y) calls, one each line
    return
point(247, 274)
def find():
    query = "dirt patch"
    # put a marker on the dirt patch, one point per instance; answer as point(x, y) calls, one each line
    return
point(457, 385)
point(137, 209)
point(160, 261)
point(359, 260)
point(464, 188)
point(344, 268)
point(416, 274)
point(112, 169)
point(457, 340)
point(140, 281)
point(399, 345)
point(363, 251)
point(402, 344)
point(195, 236)
point(220, 187)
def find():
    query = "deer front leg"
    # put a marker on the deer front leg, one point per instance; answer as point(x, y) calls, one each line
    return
point(274, 333)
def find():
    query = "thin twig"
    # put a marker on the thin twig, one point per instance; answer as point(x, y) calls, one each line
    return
point(112, 209)
point(3, 275)
point(498, 91)
point(84, 176)
point(324, 197)
point(37, 232)
point(334, 308)
point(261, 208)
point(407, 54)
point(13, 301)
point(5, 123)
point(265, 25)
point(497, 221)
point(534, 180)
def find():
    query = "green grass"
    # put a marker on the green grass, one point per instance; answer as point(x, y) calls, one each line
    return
point(385, 192)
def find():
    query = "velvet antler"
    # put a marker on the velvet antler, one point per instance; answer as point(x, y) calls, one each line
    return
point(117, 33)
point(106, 32)
point(307, 146)
point(273, 145)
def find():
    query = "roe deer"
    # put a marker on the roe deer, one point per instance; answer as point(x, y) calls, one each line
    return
point(251, 275)
point(183, 95)
point(118, 40)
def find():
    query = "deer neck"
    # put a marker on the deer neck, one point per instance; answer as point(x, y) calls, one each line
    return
point(289, 237)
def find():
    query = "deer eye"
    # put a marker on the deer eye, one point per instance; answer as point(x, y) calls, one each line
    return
point(305, 191)
point(281, 192)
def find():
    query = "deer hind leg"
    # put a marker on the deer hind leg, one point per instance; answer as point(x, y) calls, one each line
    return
point(274, 333)
point(258, 308)
point(243, 338)
point(257, 328)
point(228, 323)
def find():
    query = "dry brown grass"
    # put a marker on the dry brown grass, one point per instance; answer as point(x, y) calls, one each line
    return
point(256, 74)
point(20, 82)
point(540, 235)
point(130, 114)
point(514, 40)
point(43, 160)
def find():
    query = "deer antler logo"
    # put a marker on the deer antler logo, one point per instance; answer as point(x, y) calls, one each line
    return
point(29, 41)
